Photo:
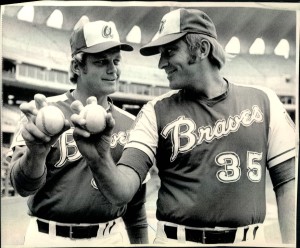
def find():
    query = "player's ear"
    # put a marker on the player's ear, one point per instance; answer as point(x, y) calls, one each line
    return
point(204, 49)
point(75, 67)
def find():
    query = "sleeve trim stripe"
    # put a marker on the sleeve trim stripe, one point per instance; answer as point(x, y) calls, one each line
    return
point(269, 161)
point(281, 157)
point(141, 146)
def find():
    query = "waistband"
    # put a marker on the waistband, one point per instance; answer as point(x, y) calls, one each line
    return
point(209, 235)
point(75, 230)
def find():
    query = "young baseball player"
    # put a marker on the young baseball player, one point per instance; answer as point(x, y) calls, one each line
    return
point(66, 205)
point(213, 142)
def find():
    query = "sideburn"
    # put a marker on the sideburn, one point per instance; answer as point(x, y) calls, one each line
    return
point(84, 68)
point(192, 58)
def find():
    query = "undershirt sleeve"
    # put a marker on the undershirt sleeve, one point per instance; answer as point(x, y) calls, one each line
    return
point(137, 160)
point(282, 173)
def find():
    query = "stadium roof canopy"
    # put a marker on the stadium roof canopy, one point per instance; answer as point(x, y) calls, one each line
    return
point(271, 22)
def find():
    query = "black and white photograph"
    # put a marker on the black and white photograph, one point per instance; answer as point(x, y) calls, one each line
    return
point(149, 124)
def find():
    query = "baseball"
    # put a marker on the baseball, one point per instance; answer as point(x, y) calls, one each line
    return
point(94, 115)
point(50, 120)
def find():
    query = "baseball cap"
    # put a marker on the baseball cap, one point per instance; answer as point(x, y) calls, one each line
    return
point(95, 37)
point(178, 23)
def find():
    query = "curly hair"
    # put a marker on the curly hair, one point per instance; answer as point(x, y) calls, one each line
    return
point(217, 54)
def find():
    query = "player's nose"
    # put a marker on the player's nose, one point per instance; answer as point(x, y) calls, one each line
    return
point(163, 62)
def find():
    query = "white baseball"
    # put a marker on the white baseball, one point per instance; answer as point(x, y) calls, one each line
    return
point(50, 120)
point(94, 115)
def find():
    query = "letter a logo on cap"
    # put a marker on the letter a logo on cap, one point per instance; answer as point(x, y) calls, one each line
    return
point(161, 27)
point(106, 32)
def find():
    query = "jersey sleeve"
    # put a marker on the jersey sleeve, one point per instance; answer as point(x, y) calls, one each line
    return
point(22, 184)
point(142, 143)
point(282, 136)
point(143, 135)
point(17, 138)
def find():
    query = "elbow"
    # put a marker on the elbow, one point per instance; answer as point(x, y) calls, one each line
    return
point(24, 193)
point(286, 187)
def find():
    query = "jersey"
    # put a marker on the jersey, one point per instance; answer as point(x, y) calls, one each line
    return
point(212, 154)
point(69, 193)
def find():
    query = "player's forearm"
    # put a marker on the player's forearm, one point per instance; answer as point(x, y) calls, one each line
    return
point(117, 183)
point(285, 196)
point(33, 164)
point(138, 235)
point(28, 172)
point(135, 220)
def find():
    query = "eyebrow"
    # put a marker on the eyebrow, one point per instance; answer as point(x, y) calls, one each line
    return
point(166, 47)
point(105, 56)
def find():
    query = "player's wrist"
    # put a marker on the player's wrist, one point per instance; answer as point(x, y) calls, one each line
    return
point(102, 160)
point(33, 164)
point(32, 167)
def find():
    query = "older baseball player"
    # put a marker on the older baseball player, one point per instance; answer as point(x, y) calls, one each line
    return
point(66, 206)
point(212, 141)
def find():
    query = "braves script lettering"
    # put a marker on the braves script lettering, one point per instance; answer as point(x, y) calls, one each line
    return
point(69, 151)
point(206, 133)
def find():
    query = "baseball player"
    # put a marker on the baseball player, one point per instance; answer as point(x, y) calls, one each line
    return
point(66, 205)
point(212, 141)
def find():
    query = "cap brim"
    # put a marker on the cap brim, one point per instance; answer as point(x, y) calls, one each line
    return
point(107, 45)
point(152, 47)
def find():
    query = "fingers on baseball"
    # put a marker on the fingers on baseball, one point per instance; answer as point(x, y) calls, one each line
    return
point(31, 133)
point(79, 124)
point(91, 100)
point(110, 123)
point(80, 132)
point(67, 125)
point(29, 110)
point(76, 106)
point(40, 101)
point(77, 120)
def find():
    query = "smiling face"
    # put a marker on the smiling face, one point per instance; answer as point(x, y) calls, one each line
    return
point(101, 72)
point(175, 59)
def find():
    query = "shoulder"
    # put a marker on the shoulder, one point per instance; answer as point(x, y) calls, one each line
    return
point(169, 96)
point(166, 96)
point(255, 88)
point(160, 102)
point(57, 98)
point(256, 93)
point(121, 112)
point(53, 99)
point(123, 119)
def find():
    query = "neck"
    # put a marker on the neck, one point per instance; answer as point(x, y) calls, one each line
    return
point(209, 87)
point(207, 81)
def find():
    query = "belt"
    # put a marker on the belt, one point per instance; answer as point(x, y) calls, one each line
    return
point(206, 236)
point(71, 231)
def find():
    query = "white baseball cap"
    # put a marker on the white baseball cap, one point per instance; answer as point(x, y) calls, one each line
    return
point(178, 23)
point(95, 37)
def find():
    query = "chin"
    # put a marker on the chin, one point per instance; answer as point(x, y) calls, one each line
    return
point(108, 92)
point(175, 85)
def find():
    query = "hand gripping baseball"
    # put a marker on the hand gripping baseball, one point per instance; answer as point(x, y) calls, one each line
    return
point(93, 128)
point(36, 138)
